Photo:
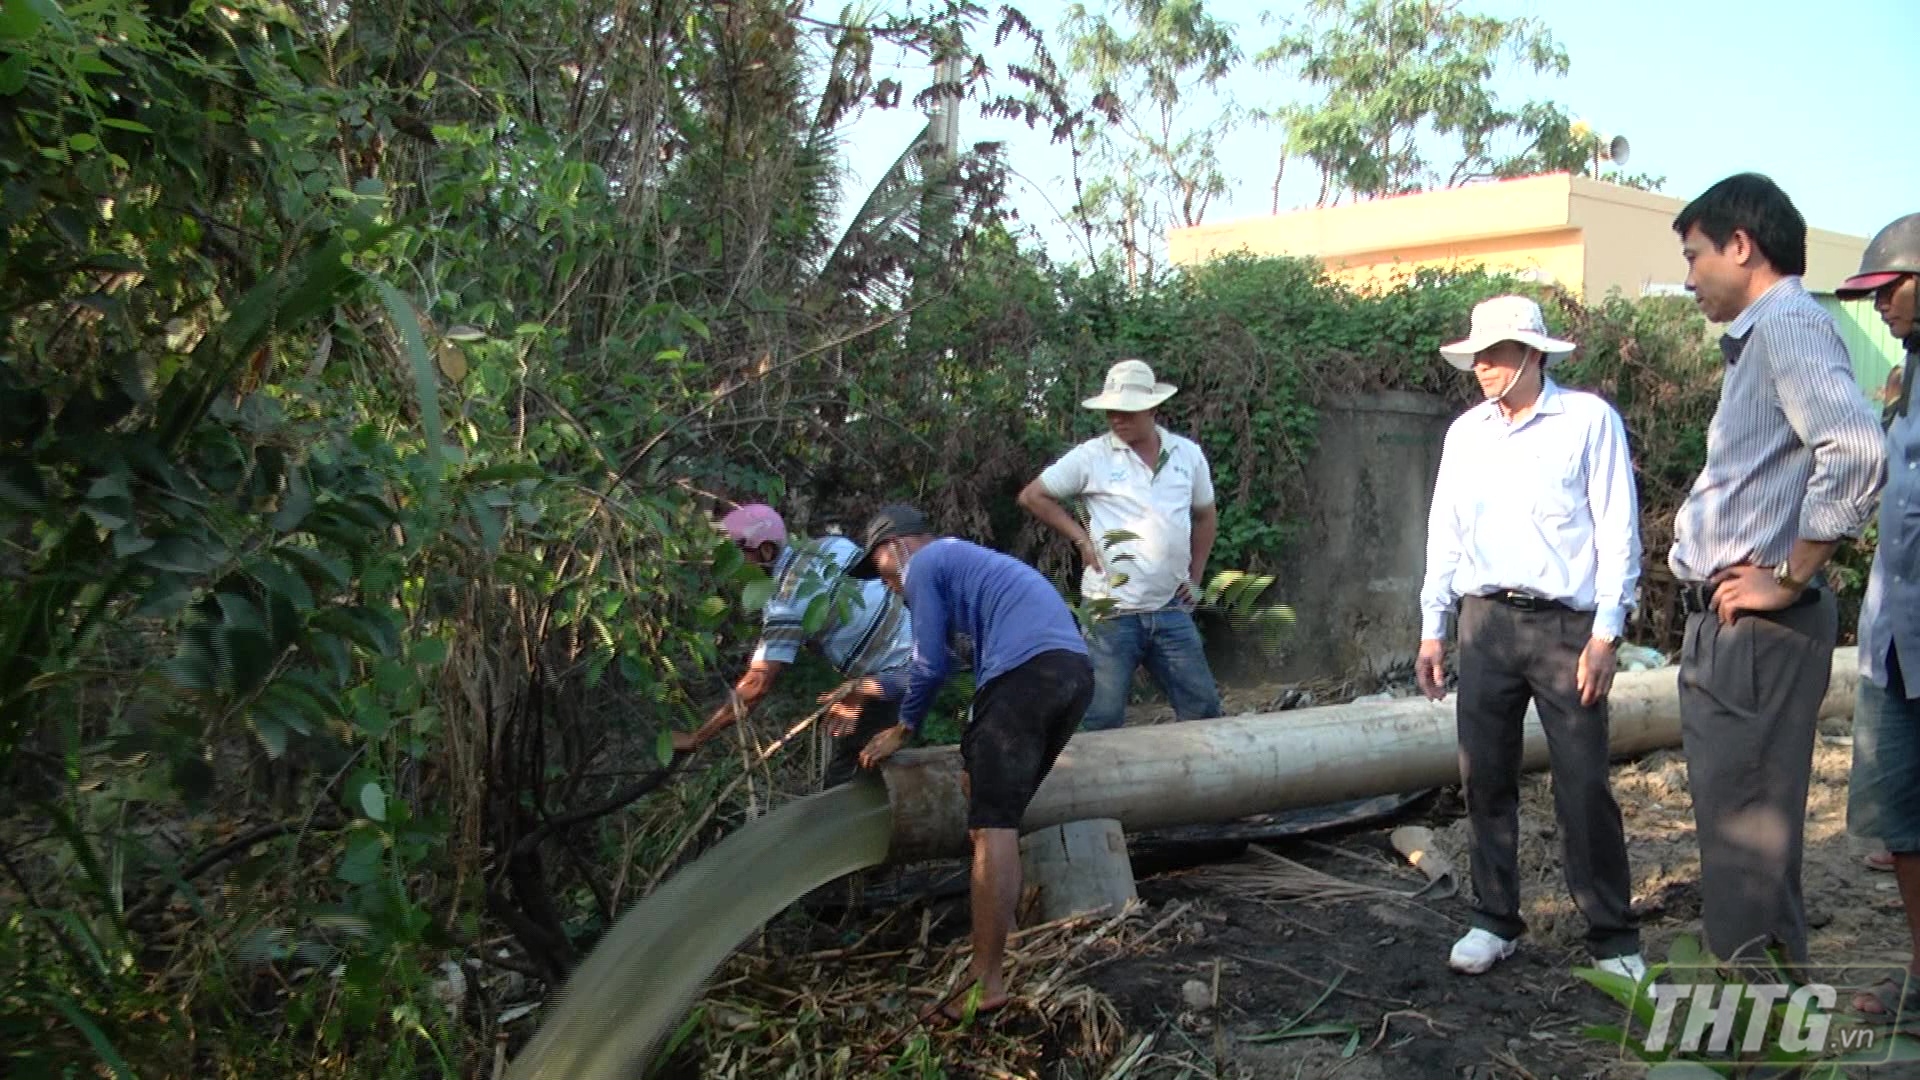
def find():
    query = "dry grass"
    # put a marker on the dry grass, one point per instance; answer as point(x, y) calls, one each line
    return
point(853, 1011)
point(1265, 876)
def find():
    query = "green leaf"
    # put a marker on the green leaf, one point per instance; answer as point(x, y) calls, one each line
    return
point(168, 596)
point(128, 542)
point(295, 504)
point(90, 63)
point(373, 800)
point(83, 142)
point(1305, 1031)
point(361, 864)
point(430, 652)
point(22, 18)
point(663, 748)
point(277, 580)
point(755, 596)
point(326, 573)
point(13, 73)
point(271, 732)
point(1685, 951)
point(126, 125)
point(426, 385)
point(181, 554)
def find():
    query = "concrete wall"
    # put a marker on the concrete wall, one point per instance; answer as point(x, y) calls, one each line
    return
point(1354, 578)
point(1630, 242)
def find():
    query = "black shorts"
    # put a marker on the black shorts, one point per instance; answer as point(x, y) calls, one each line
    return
point(1021, 721)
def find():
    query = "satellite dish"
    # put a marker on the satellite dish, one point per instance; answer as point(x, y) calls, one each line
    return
point(1617, 150)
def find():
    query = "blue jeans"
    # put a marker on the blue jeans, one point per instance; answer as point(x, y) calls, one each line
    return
point(1169, 644)
point(1883, 798)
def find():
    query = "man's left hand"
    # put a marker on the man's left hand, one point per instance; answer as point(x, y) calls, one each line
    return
point(1748, 588)
point(1593, 677)
point(882, 746)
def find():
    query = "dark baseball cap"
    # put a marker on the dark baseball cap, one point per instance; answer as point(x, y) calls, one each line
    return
point(892, 521)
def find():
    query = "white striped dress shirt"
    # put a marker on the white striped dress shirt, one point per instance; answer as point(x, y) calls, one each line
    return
point(1545, 507)
point(1794, 450)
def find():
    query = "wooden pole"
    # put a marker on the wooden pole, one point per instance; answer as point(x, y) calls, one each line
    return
point(1220, 770)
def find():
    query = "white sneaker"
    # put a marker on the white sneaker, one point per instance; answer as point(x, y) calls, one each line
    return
point(1631, 967)
point(1478, 951)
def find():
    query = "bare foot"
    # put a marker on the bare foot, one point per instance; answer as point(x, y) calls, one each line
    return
point(954, 1008)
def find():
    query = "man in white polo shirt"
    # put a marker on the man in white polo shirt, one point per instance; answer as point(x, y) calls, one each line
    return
point(1150, 524)
point(1535, 537)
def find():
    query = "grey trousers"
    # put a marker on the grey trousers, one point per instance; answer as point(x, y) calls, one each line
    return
point(1507, 658)
point(1750, 698)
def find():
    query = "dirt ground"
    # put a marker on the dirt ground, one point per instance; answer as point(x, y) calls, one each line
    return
point(1415, 1019)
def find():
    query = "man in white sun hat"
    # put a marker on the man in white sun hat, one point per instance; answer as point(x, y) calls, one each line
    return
point(1149, 527)
point(1534, 537)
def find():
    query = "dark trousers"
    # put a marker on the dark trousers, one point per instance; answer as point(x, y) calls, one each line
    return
point(1507, 658)
point(1750, 698)
point(875, 717)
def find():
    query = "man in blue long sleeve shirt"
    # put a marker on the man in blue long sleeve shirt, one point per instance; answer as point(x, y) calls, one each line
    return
point(1033, 679)
point(1883, 800)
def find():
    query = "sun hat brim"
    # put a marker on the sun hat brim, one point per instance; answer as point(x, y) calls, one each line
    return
point(1461, 353)
point(1131, 399)
point(1862, 285)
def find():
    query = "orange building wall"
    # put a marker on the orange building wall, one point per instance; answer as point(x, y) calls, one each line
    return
point(1586, 235)
point(1556, 256)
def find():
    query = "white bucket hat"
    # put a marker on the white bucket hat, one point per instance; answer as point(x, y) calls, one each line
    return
point(1505, 318)
point(1130, 388)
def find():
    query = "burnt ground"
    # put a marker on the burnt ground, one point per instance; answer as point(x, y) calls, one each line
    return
point(1415, 1018)
point(1346, 957)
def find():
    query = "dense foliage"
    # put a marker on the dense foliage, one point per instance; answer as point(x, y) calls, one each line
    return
point(368, 376)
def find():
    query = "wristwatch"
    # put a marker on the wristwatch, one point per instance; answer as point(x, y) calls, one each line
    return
point(1784, 575)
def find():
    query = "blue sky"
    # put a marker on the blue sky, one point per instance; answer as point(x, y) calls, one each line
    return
point(1701, 88)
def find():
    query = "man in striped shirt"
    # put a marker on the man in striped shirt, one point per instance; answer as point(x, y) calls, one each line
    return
point(857, 626)
point(1794, 462)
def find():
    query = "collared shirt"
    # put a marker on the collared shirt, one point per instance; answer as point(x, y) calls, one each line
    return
point(959, 591)
point(1794, 450)
point(861, 628)
point(1122, 494)
point(1545, 507)
point(1890, 616)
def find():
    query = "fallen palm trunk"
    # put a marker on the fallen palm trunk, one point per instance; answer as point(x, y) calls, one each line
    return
point(1218, 770)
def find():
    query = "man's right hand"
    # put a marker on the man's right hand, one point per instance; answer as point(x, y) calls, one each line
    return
point(1430, 670)
point(1090, 554)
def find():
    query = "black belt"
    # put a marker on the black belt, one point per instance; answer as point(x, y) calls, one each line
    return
point(1520, 601)
point(1696, 598)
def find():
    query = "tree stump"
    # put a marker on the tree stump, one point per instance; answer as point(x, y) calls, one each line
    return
point(1078, 868)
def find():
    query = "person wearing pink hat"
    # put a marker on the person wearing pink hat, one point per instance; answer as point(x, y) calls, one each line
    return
point(866, 633)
